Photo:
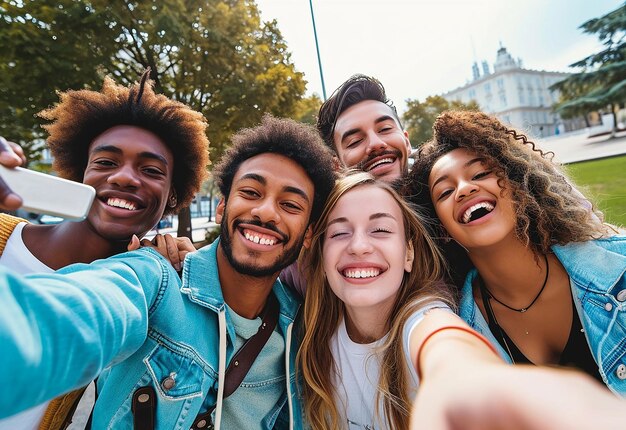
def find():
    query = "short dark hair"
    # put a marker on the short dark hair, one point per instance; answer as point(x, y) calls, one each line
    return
point(294, 140)
point(83, 115)
point(356, 89)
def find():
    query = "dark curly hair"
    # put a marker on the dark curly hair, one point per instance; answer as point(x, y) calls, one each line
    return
point(356, 89)
point(294, 140)
point(83, 115)
point(549, 210)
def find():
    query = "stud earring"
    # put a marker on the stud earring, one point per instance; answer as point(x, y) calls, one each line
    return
point(172, 201)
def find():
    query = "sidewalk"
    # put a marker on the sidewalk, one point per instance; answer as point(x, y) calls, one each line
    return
point(570, 148)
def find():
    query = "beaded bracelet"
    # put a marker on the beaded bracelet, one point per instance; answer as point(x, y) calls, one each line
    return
point(451, 327)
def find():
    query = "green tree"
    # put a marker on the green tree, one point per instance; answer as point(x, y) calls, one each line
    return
point(214, 55)
point(44, 49)
point(602, 81)
point(307, 109)
point(420, 116)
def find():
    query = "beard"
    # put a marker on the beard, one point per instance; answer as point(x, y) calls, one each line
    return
point(288, 256)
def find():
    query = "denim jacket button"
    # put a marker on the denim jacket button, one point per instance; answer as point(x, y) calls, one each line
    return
point(621, 296)
point(608, 307)
point(621, 371)
point(169, 382)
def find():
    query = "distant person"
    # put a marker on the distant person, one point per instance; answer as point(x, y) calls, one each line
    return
point(146, 156)
point(548, 278)
point(165, 346)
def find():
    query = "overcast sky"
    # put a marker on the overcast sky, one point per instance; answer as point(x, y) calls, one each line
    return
point(419, 48)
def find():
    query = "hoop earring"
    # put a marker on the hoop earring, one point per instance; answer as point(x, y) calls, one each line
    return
point(172, 201)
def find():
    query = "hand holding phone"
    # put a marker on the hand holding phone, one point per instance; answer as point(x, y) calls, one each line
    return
point(49, 194)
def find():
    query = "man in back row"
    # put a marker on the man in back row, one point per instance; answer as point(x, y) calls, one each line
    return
point(361, 125)
point(165, 342)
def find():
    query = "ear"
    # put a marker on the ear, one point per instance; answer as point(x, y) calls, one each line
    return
point(410, 257)
point(172, 201)
point(308, 236)
point(407, 142)
point(219, 211)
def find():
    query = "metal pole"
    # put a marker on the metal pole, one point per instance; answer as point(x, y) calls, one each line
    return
point(317, 47)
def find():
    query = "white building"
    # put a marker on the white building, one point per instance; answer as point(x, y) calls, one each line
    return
point(519, 97)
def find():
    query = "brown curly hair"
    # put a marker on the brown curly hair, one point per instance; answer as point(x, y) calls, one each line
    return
point(297, 141)
point(81, 116)
point(548, 208)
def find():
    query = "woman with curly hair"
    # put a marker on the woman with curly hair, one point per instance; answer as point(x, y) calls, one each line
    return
point(145, 155)
point(546, 281)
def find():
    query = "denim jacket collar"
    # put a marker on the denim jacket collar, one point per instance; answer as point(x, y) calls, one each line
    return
point(201, 283)
point(590, 266)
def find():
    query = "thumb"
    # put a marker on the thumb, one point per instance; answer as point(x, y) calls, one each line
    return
point(134, 243)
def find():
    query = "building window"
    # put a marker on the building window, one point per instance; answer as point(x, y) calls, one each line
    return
point(487, 88)
point(503, 99)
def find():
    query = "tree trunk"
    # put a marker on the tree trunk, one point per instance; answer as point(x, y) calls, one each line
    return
point(614, 120)
point(184, 223)
point(586, 121)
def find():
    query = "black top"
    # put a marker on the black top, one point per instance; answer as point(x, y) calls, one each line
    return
point(575, 354)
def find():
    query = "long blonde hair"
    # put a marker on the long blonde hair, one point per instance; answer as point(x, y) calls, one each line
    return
point(323, 311)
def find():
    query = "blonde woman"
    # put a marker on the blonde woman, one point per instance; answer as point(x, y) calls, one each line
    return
point(374, 275)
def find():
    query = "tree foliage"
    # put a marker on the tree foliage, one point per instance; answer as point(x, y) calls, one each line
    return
point(602, 81)
point(216, 56)
point(420, 116)
point(307, 109)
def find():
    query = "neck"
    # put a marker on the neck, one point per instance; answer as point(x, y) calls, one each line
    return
point(67, 243)
point(512, 273)
point(365, 325)
point(246, 295)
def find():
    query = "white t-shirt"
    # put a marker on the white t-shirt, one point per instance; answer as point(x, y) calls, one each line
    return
point(358, 372)
point(20, 260)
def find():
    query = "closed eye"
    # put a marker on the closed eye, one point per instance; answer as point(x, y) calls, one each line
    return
point(481, 175)
point(444, 194)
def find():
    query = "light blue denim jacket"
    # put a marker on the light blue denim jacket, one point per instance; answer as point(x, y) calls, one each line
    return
point(59, 332)
point(597, 271)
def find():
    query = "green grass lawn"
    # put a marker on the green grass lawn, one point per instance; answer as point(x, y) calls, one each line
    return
point(605, 182)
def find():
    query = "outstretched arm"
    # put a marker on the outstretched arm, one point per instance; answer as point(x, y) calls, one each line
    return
point(59, 331)
point(465, 386)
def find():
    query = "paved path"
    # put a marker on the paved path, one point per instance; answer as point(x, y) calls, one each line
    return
point(571, 148)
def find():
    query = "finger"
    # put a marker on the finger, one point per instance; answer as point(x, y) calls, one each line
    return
point(172, 251)
point(11, 154)
point(8, 199)
point(147, 243)
point(134, 243)
point(184, 244)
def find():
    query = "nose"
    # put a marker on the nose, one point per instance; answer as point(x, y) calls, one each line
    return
point(266, 211)
point(375, 143)
point(360, 244)
point(124, 177)
point(465, 188)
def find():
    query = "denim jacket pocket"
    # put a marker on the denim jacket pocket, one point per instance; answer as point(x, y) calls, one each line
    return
point(175, 375)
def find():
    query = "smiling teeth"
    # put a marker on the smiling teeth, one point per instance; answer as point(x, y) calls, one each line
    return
point(379, 162)
point(121, 203)
point(259, 240)
point(468, 213)
point(367, 273)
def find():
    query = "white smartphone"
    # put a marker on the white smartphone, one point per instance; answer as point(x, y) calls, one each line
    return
point(49, 194)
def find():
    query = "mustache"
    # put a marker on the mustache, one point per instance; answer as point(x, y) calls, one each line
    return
point(269, 226)
point(395, 152)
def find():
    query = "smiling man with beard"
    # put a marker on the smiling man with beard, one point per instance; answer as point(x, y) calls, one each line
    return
point(164, 342)
point(361, 125)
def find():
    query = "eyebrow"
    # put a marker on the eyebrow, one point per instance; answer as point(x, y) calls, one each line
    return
point(288, 189)
point(377, 215)
point(469, 163)
point(116, 150)
point(355, 130)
